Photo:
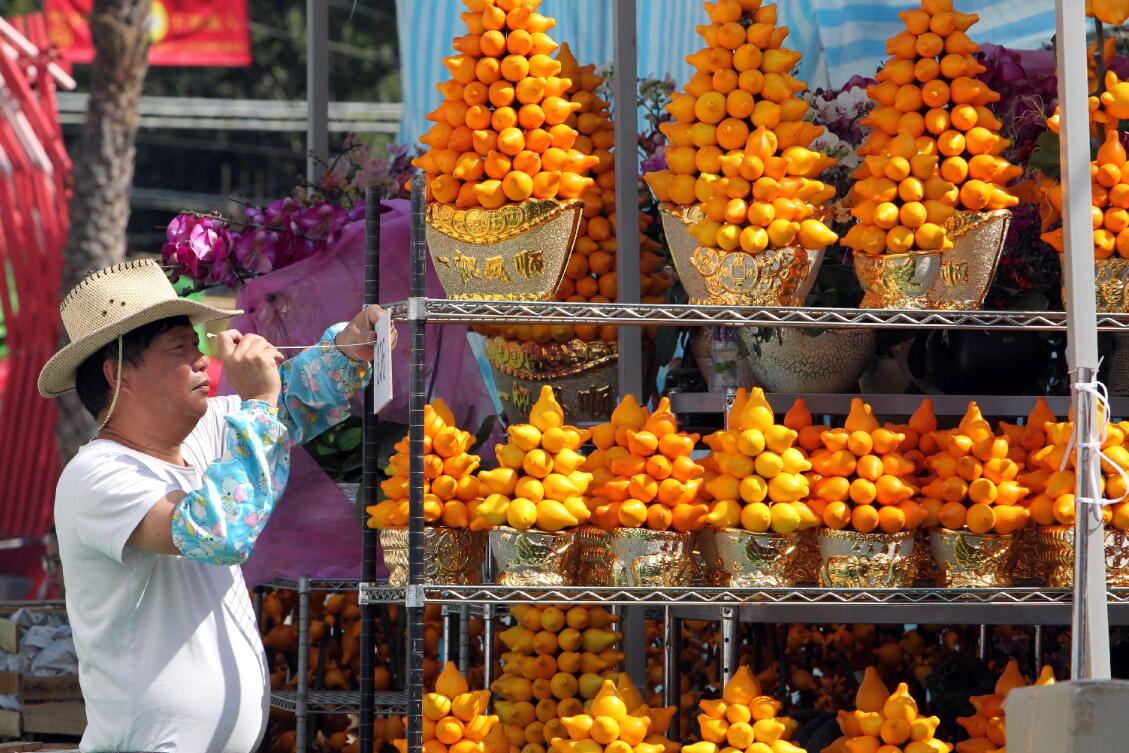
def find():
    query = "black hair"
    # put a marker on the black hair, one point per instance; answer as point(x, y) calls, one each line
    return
point(90, 383)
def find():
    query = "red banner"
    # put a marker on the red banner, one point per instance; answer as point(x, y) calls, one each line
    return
point(181, 32)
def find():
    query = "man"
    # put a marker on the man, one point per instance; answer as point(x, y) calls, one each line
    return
point(155, 514)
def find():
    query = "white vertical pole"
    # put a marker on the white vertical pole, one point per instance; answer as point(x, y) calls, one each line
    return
point(625, 71)
point(1090, 635)
point(317, 88)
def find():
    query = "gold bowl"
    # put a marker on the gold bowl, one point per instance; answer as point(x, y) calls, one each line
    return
point(636, 557)
point(736, 558)
point(533, 558)
point(968, 267)
point(866, 560)
point(807, 563)
point(973, 560)
point(1111, 284)
point(897, 281)
point(1054, 546)
point(514, 253)
point(451, 556)
point(711, 276)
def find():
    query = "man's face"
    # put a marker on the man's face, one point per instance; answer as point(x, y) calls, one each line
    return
point(172, 375)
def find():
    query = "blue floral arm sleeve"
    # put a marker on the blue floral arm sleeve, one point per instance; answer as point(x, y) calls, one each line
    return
point(317, 385)
point(220, 521)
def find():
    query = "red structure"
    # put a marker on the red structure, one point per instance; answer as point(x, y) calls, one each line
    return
point(35, 184)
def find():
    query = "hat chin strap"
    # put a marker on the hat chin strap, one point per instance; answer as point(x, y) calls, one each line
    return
point(117, 388)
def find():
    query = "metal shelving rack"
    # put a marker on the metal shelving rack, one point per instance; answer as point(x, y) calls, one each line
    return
point(1036, 606)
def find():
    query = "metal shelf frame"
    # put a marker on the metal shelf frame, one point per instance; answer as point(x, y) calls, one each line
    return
point(447, 311)
point(339, 702)
point(910, 605)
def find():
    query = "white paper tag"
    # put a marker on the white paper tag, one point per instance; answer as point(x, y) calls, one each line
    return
point(382, 364)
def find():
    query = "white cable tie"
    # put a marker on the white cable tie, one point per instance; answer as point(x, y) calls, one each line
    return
point(1099, 392)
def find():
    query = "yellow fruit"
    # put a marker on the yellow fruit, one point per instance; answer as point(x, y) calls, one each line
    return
point(521, 513)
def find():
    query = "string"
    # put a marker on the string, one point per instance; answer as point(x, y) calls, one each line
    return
point(304, 347)
point(117, 388)
point(1099, 392)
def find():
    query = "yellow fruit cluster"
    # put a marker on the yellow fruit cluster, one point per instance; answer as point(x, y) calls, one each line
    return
point(616, 721)
point(986, 728)
point(973, 482)
point(754, 474)
point(451, 490)
point(886, 722)
point(739, 141)
point(642, 473)
point(1109, 176)
point(1052, 479)
point(860, 477)
point(935, 145)
point(501, 134)
point(455, 718)
point(555, 660)
point(744, 719)
point(539, 482)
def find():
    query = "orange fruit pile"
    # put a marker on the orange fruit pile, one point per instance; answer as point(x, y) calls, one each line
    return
point(744, 719)
point(860, 477)
point(455, 718)
point(755, 474)
point(642, 473)
point(590, 276)
point(973, 483)
point(987, 729)
point(500, 135)
point(739, 141)
point(539, 483)
point(451, 490)
point(1109, 176)
point(886, 722)
point(935, 145)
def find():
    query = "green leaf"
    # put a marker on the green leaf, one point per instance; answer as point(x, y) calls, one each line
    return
point(350, 439)
point(483, 433)
point(1045, 156)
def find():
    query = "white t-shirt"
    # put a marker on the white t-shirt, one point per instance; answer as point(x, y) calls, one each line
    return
point(170, 657)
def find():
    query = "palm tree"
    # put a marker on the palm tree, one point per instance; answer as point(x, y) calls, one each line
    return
point(103, 167)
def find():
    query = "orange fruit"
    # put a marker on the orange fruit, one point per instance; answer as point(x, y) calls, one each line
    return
point(515, 67)
point(501, 93)
point(864, 518)
point(891, 519)
point(518, 186)
point(546, 185)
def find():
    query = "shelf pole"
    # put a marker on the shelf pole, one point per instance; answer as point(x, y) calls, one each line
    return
point(1037, 650)
point(1090, 634)
point(317, 88)
point(414, 595)
point(464, 639)
point(728, 644)
point(488, 617)
point(302, 692)
point(634, 628)
point(369, 483)
point(672, 667)
point(625, 72)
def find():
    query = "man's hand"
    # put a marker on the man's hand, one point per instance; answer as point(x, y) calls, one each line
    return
point(355, 340)
point(251, 364)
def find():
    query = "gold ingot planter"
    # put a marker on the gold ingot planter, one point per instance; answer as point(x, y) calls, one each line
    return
point(584, 375)
point(736, 558)
point(973, 560)
point(451, 556)
point(515, 253)
point(533, 558)
point(968, 267)
point(1054, 546)
point(866, 560)
point(1029, 568)
point(635, 557)
point(897, 281)
point(808, 562)
point(710, 276)
point(1111, 284)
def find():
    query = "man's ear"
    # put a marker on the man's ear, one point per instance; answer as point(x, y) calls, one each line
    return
point(110, 371)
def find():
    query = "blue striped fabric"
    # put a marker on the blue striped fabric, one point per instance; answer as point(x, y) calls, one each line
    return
point(838, 38)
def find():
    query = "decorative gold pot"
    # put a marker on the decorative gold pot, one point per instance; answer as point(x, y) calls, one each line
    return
point(968, 267)
point(711, 276)
point(451, 556)
point(584, 375)
point(515, 253)
point(973, 560)
point(808, 562)
point(636, 557)
point(1028, 564)
point(866, 560)
point(1054, 546)
point(1111, 284)
point(897, 281)
point(533, 558)
point(737, 558)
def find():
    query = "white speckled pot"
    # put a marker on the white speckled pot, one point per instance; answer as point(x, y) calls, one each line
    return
point(792, 361)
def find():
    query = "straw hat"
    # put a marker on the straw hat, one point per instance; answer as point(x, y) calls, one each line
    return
point(107, 305)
